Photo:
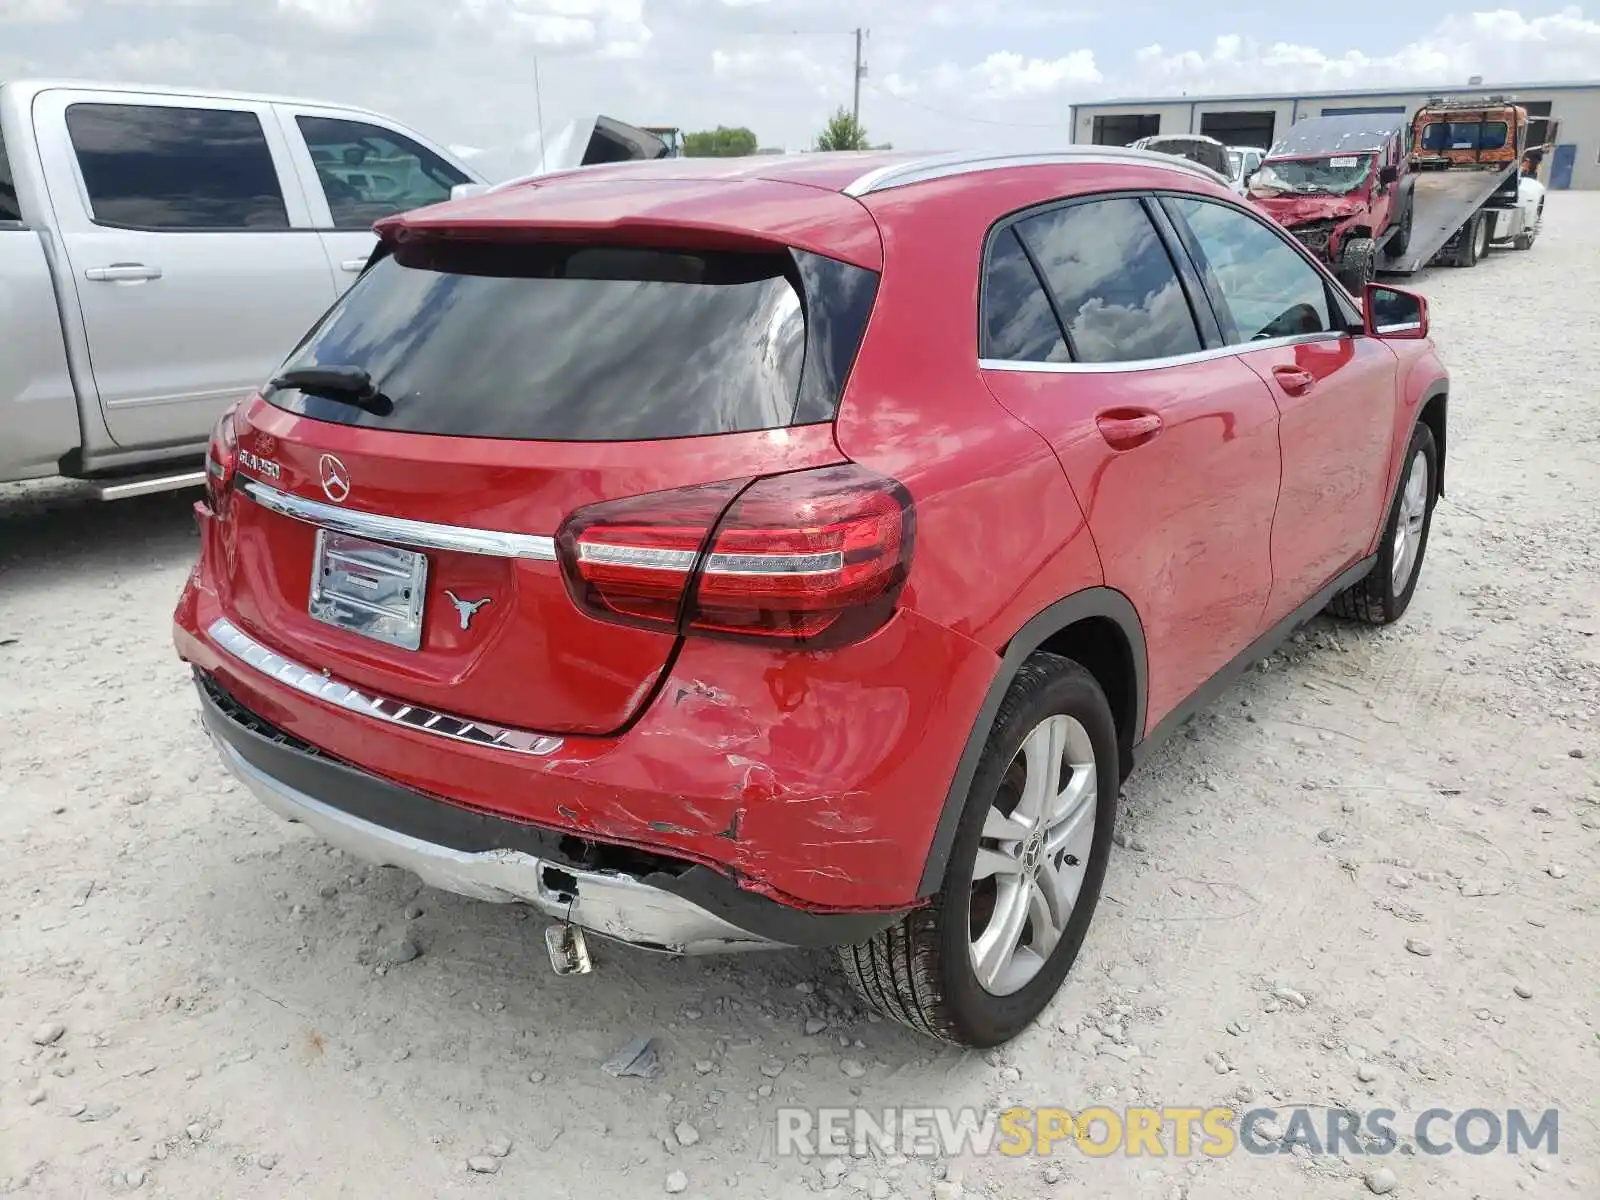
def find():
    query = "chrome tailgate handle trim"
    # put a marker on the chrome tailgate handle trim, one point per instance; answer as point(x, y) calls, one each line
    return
point(420, 535)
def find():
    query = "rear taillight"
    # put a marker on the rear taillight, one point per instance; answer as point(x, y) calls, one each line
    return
point(814, 557)
point(222, 458)
point(631, 559)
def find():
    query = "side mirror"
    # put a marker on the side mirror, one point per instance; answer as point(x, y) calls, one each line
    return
point(1389, 176)
point(1391, 313)
point(464, 191)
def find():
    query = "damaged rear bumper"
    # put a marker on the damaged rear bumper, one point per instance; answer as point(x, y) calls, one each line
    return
point(651, 901)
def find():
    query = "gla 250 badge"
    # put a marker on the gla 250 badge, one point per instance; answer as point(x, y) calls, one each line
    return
point(256, 465)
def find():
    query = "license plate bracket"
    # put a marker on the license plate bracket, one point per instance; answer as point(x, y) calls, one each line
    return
point(368, 588)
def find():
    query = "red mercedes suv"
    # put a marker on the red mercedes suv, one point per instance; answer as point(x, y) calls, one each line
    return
point(798, 551)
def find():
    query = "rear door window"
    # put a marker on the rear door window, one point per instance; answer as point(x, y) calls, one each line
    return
point(1113, 281)
point(368, 172)
point(163, 168)
point(591, 343)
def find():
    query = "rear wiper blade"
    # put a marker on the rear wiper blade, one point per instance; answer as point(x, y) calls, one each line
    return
point(345, 385)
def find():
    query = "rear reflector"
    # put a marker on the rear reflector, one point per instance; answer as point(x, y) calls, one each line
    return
point(222, 457)
point(813, 557)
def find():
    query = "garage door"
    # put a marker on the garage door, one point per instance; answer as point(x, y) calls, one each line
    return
point(1239, 128)
point(1361, 112)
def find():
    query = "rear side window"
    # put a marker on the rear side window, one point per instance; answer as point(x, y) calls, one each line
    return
point(10, 210)
point(591, 343)
point(150, 167)
point(1113, 282)
point(1019, 325)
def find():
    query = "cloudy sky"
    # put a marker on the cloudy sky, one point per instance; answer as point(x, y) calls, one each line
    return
point(941, 73)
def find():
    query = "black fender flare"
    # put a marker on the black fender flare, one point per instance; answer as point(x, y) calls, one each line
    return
point(1438, 390)
point(1100, 602)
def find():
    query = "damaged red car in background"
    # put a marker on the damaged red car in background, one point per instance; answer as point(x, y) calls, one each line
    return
point(800, 552)
point(1342, 185)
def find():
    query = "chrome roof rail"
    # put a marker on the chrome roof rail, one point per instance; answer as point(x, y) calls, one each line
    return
point(942, 166)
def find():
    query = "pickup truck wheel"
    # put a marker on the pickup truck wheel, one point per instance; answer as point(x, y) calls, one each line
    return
point(984, 957)
point(1401, 239)
point(1383, 596)
point(1357, 264)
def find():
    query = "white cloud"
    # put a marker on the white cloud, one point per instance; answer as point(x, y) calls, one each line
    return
point(941, 72)
point(1502, 46)
point(345, 15)
point(37, 12)
point(1007, 75)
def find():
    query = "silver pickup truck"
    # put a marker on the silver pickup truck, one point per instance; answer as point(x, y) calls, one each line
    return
point(160, 252)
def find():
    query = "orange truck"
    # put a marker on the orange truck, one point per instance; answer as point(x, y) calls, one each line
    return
point(1469, 192)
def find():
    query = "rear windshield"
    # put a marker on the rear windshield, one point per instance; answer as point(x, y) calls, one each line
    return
point(1464, 135)
point(590, 343)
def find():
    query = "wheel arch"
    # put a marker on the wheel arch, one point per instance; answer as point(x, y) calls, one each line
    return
point(1098, 628)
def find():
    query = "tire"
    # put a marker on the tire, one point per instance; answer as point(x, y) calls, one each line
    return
point(1474, 242)
point(921, 970)
point(1401, 241)
point(1381, 598)
point(1357, 264)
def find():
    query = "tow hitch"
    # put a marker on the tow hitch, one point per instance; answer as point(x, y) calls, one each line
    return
point(569, 951)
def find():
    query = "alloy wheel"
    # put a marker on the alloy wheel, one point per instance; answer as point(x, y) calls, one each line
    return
point(1033, 855)
point(1408, 529)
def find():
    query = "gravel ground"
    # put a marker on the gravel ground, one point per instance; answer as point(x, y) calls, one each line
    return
point(1334, 891)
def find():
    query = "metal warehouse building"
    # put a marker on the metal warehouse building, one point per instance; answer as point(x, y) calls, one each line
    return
point(1567, 114)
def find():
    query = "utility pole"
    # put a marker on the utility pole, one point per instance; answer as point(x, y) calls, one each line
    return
point(861, 69)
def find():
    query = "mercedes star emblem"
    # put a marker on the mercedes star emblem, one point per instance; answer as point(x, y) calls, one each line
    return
point(335, 478)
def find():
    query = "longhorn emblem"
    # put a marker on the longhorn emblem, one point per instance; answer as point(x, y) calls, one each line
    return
point(466, 609)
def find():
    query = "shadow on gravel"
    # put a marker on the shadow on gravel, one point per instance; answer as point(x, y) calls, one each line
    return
point(51, 527)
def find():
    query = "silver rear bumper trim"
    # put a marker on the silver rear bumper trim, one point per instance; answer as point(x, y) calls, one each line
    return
point(611, 905)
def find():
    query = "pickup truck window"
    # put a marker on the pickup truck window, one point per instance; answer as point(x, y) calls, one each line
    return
point(368, 172)
point(10, 210)
point(159, 168)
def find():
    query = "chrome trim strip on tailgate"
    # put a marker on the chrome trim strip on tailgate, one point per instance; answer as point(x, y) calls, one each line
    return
point(273, 665)
point(421, 535)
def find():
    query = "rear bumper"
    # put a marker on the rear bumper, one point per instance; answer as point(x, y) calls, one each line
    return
point(663, 904)
point(811, 781)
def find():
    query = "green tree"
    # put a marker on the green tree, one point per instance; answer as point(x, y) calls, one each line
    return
point(843, 132)
point(721, 142)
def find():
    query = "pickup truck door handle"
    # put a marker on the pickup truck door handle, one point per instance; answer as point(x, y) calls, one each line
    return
point(1125, 428)
point(353, 265)
point(122, 273)
point(1293, 380)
